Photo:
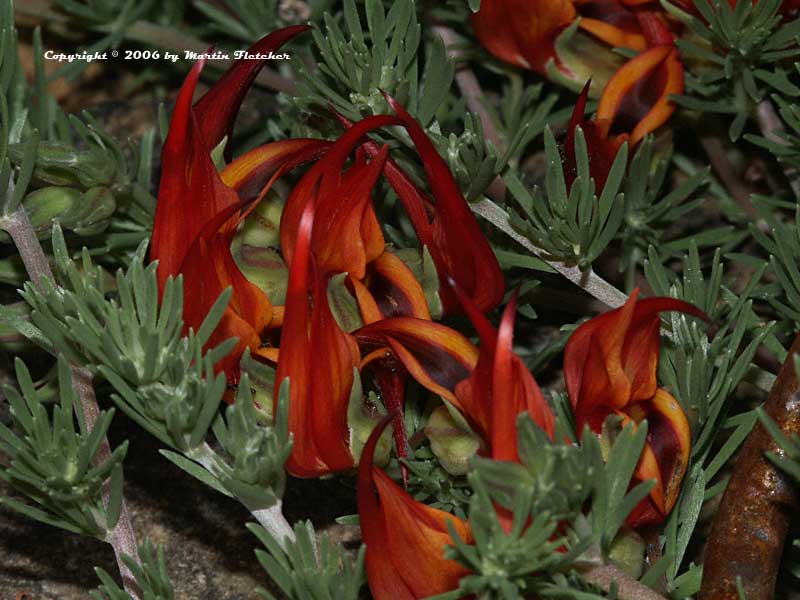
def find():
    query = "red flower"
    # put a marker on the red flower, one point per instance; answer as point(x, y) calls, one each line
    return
point(198, 210)
point(610, 365)
point(490, 386)
point(635, 95)
point(444, 225)
point(405, 539)
point(600, 148)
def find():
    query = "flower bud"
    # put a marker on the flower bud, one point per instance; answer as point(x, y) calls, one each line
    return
point(452, 443)
point(58, 164)
point(85, 213)
point(627, 552)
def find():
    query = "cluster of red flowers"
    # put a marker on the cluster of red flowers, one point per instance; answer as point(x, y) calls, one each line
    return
point(329, 232)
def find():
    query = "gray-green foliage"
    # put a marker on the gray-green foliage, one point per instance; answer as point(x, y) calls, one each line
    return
point(357, 64)
point(572, 225)
point(64, 168)
point(150, 574)
point(162, 379)
point(741, 52)
point(117, 328)
point(649, 211)
point(781, 241)
point(703, 372)
point(552, 535)
point(310, 568)
point(53, 461)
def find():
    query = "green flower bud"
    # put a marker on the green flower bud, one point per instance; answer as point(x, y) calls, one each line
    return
point(85, 213)
point(362, 417)
point(92, 213)
point(262, 383)
point(452, 443)
point(57, 164)
point(627, 552)
point(343, 305)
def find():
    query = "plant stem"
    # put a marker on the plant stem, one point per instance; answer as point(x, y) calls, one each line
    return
point(750, 527)
point(272, 520)
point(476, 100)
point(589, 281)
point(628, 588)
point(737, 187)
point(122, 538)
point(771, 125)
point(160, 36)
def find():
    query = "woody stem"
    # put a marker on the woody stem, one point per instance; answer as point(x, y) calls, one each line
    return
point(771, 126)
point(122, 537)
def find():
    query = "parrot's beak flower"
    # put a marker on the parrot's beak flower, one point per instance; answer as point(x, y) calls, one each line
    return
point(199, 209)
point(405, 539)
point(601, 149)
point(444, 224)
point(610, 365)
point(572, 41)
point(489, 386)
point(636, 101)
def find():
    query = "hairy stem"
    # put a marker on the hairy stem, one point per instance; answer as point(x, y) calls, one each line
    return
point(159, 36)
point(771, 125)
point(589, 281)
point(751, 524)
point(628, 588)
point(122, 538)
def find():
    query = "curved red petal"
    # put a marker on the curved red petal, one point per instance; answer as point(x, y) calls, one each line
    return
point(463, 251)
point(218, 107)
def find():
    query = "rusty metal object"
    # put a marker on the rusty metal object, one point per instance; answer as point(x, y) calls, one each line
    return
point(750, 527)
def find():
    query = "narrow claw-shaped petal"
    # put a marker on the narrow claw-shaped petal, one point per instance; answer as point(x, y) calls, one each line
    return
point(669, 439)
point(218, 107)
point(460, 248)
point(405, 539)
point(318, 358)
point(500, 387)
point(636, 99)
point(610, 366)
point(526, 39)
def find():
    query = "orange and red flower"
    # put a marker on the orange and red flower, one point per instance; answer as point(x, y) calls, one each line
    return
point(405, 539)
point(489, 386)
point(199, 209)
point(610, 365)
point(634, 96)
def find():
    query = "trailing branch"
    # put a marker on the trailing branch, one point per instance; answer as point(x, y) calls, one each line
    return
point(589, 281)
point(122, 537)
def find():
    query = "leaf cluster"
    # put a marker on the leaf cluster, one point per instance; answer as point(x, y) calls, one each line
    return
point(150, 574)
point(311, 567)
point(572, 225)
point(734, 54)
point(537, 523)
point(60, 467)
